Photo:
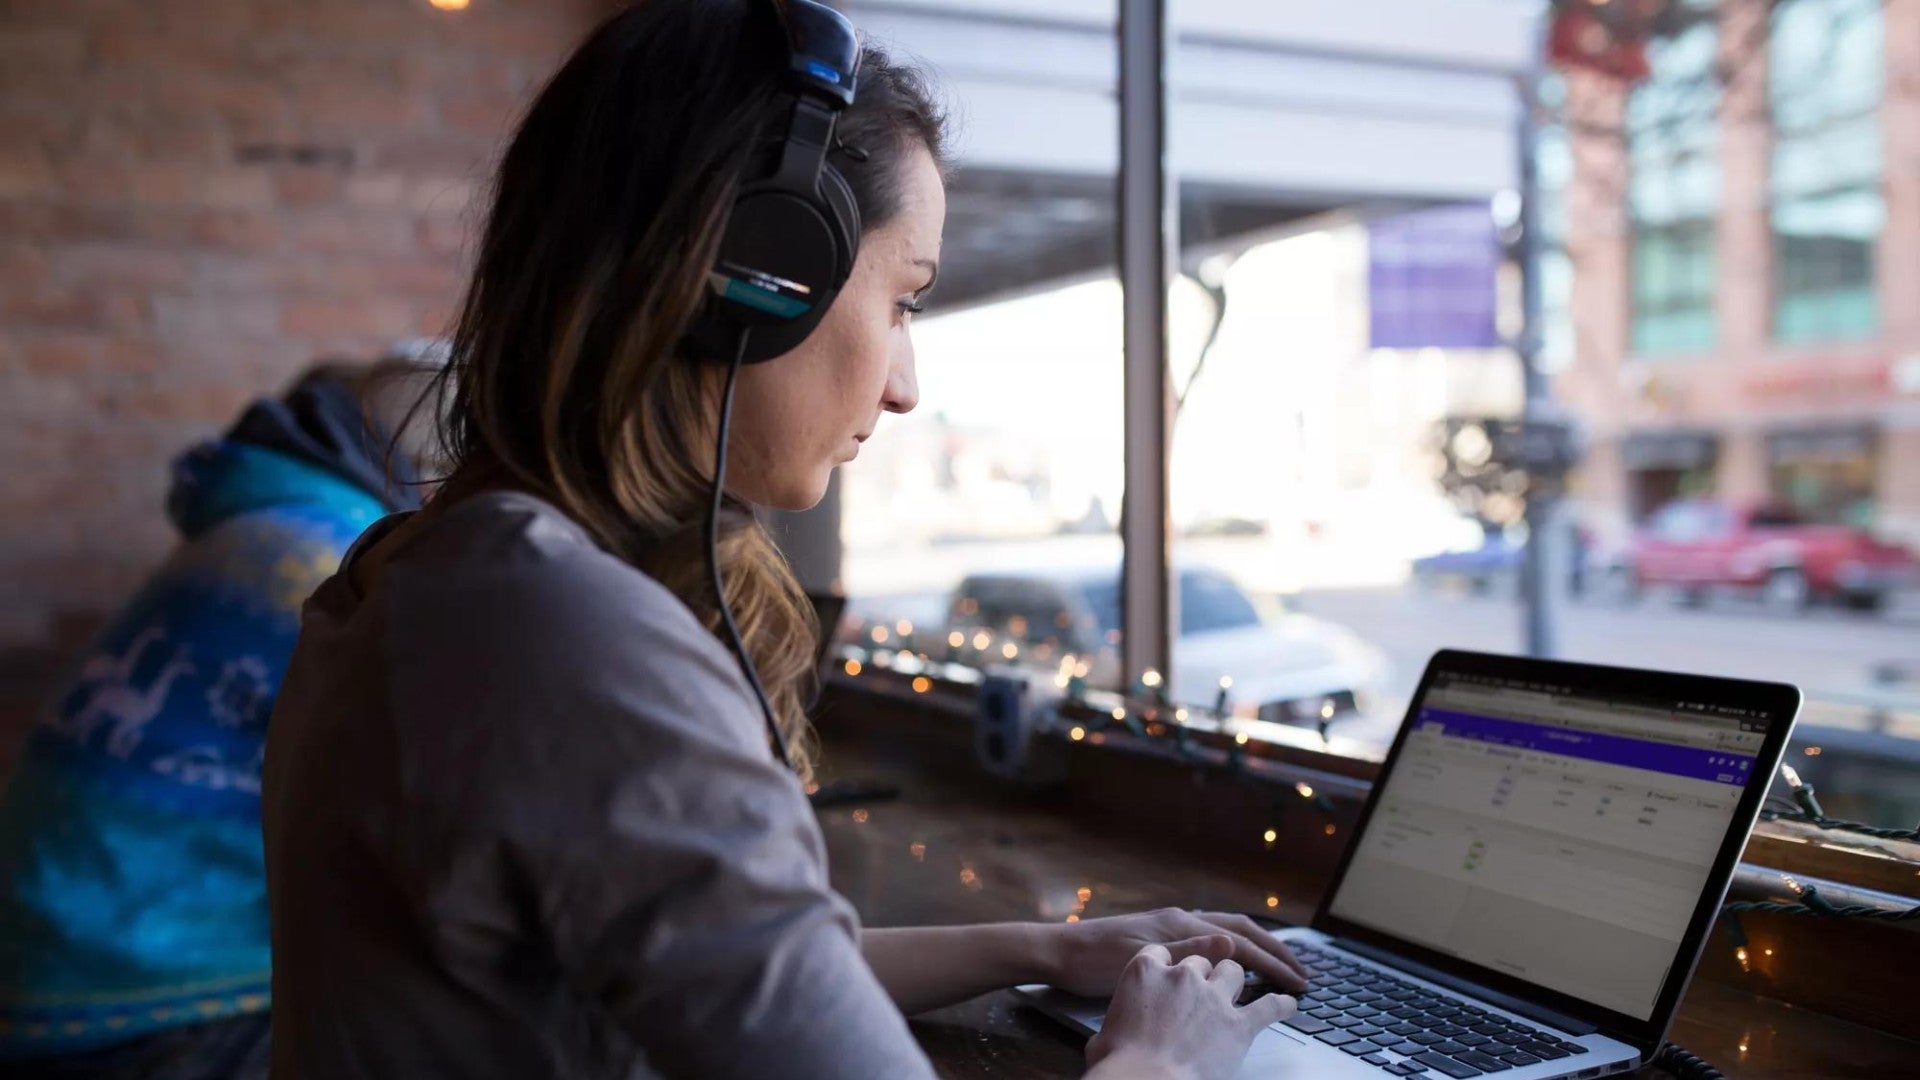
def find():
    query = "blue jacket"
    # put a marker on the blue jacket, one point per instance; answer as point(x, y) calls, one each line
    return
point(132, 884)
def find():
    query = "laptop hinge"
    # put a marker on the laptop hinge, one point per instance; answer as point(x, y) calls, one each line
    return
point(1549, 1017)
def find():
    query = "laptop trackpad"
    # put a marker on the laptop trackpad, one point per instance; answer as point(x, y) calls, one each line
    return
point(1276, 1055)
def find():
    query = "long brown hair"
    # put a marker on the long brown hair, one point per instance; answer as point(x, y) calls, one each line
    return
point(567, 377)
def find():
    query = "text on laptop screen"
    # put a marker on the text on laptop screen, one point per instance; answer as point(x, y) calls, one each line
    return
point(1561, 838)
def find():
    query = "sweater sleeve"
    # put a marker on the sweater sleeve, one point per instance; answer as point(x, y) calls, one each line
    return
point(584, 763)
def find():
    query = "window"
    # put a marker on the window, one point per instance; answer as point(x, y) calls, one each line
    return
point(1678, 522)
point(1013, 459)
point(1023, 609)
point(1774, 517)
point(1690, 522)
point(1212, 602)
point(1303, 490)
point(1209, 602)
point(1827, 474)
point(1341, 299)
point(1826, 80)
point(1674, 193)
point(1103, 605)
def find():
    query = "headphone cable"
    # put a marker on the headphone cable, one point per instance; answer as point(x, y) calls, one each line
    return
point(713, 558)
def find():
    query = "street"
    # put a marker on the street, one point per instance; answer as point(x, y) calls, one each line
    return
point(1858, 740)
point(1828, 653)
point(1361, 583)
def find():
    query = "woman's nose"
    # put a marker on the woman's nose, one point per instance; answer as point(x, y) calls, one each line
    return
point(903, 386)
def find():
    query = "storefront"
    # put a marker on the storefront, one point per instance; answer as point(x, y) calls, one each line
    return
point(1829, 473)
point(1665, 465)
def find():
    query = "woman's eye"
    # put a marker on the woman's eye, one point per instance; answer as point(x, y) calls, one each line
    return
point(911, 307)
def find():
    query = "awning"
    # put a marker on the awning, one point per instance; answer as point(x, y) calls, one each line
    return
point(1669, 449)
point(1838, 442)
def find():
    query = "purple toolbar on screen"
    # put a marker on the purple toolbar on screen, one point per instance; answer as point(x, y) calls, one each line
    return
point(1694, 762)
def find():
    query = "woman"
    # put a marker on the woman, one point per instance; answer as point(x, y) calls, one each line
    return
point(521, 814)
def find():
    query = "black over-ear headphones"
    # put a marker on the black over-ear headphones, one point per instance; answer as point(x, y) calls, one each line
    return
point(787, 250)
point(794, 230)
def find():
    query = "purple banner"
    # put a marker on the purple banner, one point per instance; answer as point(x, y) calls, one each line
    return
point(1431, 279)
point(1692, 762)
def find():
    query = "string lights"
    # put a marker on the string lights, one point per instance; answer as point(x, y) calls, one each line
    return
point(1072, 672)
point(1810, 902)
point(1807, 811)
point(972, 649)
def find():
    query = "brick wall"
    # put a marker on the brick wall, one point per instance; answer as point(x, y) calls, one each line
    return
point(198, 197)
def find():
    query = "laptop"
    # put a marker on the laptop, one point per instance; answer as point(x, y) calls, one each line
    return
point(1532, 879)
point(828, 608)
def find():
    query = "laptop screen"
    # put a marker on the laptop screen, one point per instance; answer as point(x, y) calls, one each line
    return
point(1564, 838)
point(827, 610)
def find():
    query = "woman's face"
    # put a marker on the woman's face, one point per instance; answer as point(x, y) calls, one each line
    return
point(797, 416)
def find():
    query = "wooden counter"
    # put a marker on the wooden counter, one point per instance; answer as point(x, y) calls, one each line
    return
point(952, 850)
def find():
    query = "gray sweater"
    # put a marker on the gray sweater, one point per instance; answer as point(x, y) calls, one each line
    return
point(521, 821)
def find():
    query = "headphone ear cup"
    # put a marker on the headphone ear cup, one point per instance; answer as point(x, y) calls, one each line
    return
point(845, 216)
point(842, 216)
point(827, 225)
point(772, 339)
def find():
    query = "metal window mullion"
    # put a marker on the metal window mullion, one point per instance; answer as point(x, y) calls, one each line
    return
point(1539, 623)
point(1147, 242)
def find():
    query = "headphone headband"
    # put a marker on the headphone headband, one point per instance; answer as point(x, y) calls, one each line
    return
point(824, 48)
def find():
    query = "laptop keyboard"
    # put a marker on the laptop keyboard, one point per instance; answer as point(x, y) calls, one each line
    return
point(1407, 1030)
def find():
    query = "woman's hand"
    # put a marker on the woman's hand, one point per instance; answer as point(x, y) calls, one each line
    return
point(1173, 1015)
point(1087, 957)
point(926, 967)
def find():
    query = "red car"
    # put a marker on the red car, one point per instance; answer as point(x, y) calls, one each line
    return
point(1697, 545)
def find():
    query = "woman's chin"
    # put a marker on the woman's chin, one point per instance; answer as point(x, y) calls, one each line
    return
point(801, 493)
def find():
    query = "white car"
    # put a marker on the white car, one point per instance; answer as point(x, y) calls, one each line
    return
point(1296, 668)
